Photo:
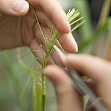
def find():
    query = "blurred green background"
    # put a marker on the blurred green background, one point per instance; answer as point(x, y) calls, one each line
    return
point(93, 37)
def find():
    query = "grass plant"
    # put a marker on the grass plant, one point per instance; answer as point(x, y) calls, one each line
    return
point(39, 85)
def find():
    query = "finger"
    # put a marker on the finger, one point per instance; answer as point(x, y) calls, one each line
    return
point(14, 7)
point(37, 50)
point(54, 12)
point(43, 19)
point(67, 40)
point(68, 43)
point(42, 35)
point(98, 69)
point(68, 98)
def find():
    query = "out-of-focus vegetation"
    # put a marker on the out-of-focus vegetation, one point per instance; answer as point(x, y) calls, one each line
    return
point(93, 37)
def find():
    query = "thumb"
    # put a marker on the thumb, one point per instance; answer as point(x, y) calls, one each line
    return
point(14, 7)
point(68, 98)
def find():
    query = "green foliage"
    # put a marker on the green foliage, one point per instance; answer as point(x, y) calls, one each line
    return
point(86, 42)
point(11, 84)
point(86, 28)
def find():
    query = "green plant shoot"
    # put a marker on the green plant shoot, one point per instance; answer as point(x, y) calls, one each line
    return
point(39, 85)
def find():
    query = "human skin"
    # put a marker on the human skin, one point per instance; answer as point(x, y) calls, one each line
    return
point(97, 69)
point(17, 24)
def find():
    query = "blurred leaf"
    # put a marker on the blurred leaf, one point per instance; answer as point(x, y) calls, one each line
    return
point(86, 42)
point(82, 6)
point(107, 52)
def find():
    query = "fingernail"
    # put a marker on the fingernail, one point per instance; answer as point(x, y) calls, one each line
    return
point(73, 42)
point(67, 22)
point(60, 53)
point(20, 6)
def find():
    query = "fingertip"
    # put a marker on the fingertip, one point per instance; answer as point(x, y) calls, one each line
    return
point(49, 72)
point(55, 74)
point(69, 43)
point(19, 8)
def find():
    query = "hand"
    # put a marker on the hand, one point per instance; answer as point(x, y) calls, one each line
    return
point(17, 23)
point(97, 69)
